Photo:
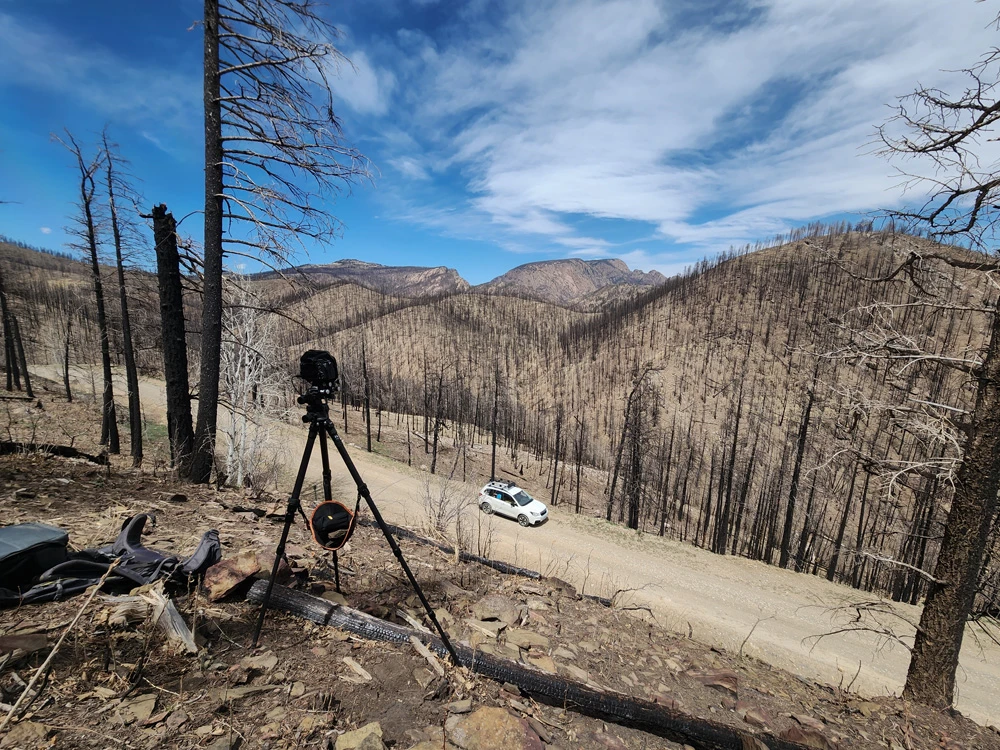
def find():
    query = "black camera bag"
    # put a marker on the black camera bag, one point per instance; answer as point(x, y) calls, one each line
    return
point(29, 549)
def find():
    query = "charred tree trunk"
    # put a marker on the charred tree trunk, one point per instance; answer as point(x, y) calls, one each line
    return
point(555, 458)
point(493, 421)
point(203, 449)
point(174, 337)
point(69, 329)
point(437, 421)
point(367, 394)
point(934, 662)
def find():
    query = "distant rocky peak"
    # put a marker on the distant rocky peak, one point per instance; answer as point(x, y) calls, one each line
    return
point(569, 280)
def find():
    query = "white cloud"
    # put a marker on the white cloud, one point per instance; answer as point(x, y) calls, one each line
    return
point(45, 230)
point(96, 77)
point(712, 133)
point(366, 88)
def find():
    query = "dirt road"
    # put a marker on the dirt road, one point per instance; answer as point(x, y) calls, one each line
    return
point(772, 614)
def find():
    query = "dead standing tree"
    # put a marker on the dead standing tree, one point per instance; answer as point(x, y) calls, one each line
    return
point(952, 135)
point(125, 234)
point(85, 229)
point(273, 146)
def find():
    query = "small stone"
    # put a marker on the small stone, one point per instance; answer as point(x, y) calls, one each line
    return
point(540, 730)
point(460, 707)
point(526, 638)
point(176, 720)
point(334, 596)
point(142, 707)
point(264, 662)
point(574, 672)
point(423, 676)
point(297, 690)
point(543, 663)
point(25, 734)
point(368, 737)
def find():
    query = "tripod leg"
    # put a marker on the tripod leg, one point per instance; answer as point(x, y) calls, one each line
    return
point(293, 505)
point(324, 453)
point(367, 495)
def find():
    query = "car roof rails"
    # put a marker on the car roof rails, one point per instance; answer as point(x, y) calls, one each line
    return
point(505, 483)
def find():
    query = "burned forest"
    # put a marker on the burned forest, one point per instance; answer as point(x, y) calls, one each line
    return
point(747, 406)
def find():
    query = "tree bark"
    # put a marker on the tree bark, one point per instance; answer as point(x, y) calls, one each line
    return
point(934, 661)
point(203, 455)
point(175, 363)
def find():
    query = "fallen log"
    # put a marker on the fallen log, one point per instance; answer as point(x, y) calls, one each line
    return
point(8, 447)
point(653, 718)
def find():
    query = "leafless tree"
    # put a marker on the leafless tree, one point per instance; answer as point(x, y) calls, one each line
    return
point(944, 145)
point(85, 229)
point(251, 382)
point(274, 152)
point(126, 235)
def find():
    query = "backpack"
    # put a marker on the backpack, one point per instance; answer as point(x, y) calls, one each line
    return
point(36, 565)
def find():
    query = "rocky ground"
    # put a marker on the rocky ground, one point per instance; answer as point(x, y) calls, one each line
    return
point(122, 684)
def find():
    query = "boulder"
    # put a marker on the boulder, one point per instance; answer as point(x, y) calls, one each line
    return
point(226, 575)
point(496, 607)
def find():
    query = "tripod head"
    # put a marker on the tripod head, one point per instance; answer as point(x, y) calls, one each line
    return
point(317, 409)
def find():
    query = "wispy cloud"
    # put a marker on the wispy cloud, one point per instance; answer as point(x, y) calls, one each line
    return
point(42, 58)
point(710, 128)
point(45, 230)
point(366, 88)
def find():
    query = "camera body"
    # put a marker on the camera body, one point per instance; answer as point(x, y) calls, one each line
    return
point(319, 369)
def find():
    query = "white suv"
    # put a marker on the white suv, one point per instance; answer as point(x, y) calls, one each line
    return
point(507, 499)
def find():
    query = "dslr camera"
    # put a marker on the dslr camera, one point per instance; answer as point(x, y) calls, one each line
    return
point(319, 369)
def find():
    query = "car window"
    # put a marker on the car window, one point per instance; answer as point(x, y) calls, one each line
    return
point(506, 498)
point(522, 497)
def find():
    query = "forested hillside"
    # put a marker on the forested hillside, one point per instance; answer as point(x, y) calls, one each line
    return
point(747, 406)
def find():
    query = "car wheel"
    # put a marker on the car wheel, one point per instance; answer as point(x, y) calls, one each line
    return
point(523, 520)
point(486, 508)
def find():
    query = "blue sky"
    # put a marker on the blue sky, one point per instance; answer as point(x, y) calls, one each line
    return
point(656, 131)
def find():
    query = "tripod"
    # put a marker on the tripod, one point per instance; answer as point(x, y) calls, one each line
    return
point(318, 418)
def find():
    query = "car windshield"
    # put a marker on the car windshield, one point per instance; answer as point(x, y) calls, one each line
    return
point(522, 497)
